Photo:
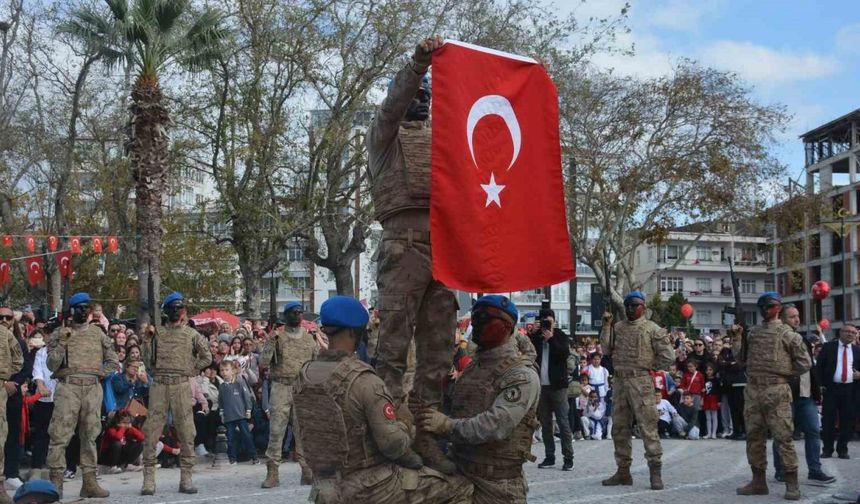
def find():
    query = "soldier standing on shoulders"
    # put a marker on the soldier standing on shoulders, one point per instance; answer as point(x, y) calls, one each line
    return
point(494, 408)
point(78, 356)
point(774, 354)
point(356, 443)
point(174, 354)
point(639, 346)
point(411, 303)
point(11, 361)
point(284, 354)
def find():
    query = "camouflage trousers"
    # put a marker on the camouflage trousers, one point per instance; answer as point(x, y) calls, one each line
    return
point(175, 397)
point(768, 408)
point(392, 484)
point(412, 304)
point(281, 406)
point(509, 490)
point(4, 431)
point(633, 398)
point(75, 406)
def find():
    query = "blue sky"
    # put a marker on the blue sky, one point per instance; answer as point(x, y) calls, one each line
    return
point(803, 54)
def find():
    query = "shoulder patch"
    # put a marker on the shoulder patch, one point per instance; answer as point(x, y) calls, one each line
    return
point(388, 411)
point(513, 394)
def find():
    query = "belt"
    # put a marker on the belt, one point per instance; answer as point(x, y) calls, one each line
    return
point(80, 380)
point(283, 380)
point(631, 373)
point(766, 380)
point(490, 472)
point(410, 235)
point(169, 380)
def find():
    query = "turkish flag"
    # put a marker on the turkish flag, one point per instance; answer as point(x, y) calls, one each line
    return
point(97, 245)
point(31, 244)
point(75, 244)
point(113, 244)
point(64, 263)
point(7, 240)
point(5, 273)
point(52, 243)
point(497, 211)
point(35, 270)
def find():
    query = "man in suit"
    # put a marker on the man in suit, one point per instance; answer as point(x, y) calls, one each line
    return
point(553, 347)
point(838, 371)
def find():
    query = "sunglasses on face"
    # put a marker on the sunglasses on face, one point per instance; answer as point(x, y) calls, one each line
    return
point(699, 344)
point(7, 317)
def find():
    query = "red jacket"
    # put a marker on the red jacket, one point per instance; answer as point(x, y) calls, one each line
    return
point(122, 435)
point(25, 416)
point(693, 383)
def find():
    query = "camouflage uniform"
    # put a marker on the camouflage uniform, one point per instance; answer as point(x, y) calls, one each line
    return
point(174, 355)
point(11, 361)
point(774, 355)
point(78, 356)
point(351, 438)
point(284, 355)
point(494, 408)
point(640, 346)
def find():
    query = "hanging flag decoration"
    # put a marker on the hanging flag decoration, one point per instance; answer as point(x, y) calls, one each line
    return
point(53, 241)
point(35, 270)
point(64, 263)
point(7, 241)
point(5, 273)
point(97, 245)
point(113, 244)
point(75, 244)
point(31, 244)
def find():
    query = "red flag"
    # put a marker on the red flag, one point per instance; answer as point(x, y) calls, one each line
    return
point(35, 271)
point(31, 244)
point(64, 263)
point(497, 211)
point(7, 241)
point(52, 243)
point(75, 244)
point(5, 273)
point(97, 245)
point(113, 244)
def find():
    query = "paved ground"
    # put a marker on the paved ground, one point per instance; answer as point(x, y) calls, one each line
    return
point(695, 472)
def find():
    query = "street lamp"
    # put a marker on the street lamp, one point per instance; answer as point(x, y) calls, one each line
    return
point(838, 226)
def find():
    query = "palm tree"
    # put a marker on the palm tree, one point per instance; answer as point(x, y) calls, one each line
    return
point(147, 38)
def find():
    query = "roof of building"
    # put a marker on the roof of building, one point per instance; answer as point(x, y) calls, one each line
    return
point(747, 227)
point(837, 124)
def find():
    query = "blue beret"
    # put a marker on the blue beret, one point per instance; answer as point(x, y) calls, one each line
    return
point(343, 311)
point(33, 487)
point(500, 302)
point(634, 295)
point(79, 298)
point(762, 300)
point(172, 297)
point(292, 304)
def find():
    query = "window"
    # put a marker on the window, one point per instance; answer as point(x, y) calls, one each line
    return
point(703, 317)
point(671, 284)
point(747, 286)
point(703, 285)
point(768, 285)
point(671, 252)
point(296, 254)
point(703, 253)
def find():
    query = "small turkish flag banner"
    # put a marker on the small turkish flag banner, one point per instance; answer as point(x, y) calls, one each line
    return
point(497, 211)
point(64, 263)
point(31, 244)
point(53, 241)
point(75, 244)
point(97, 245)
point(7, 241)
point(113, 244)
point(5, 273)
point(35, 271)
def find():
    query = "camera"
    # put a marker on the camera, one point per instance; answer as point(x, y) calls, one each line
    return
point(545, 324)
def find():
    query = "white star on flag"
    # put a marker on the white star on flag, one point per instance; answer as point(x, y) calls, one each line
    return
point(493, 190)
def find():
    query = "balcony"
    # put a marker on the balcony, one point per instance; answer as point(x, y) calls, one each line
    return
point(758, 264)
point(725, 296)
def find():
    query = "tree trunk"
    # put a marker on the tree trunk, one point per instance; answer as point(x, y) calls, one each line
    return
point(343, 280)
point(148, 149)
point(252, 296)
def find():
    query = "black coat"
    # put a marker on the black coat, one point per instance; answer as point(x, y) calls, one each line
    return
point(827, 359)
point(559, 350)
point(815, 384)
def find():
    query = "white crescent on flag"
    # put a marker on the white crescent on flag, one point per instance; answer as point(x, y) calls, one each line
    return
point(35, 268)
point(494, 105)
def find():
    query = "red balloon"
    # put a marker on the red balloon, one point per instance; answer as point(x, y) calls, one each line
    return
point(820, 290)
point(687, 310)
point(824, 324)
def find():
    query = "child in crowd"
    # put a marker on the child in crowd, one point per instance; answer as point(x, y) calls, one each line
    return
point(693, 383)
point(593, 417)
point(121, 444)
point(666, 412)
point(688, 418)
point(711, 400)
point(598, 376)
point(236, 404)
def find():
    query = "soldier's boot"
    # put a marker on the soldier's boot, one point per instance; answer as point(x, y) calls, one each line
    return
point(148, 481)
point(621, 477)
point(271, 480)
point(90, 487)
point(185, 484)
point(56, 478)
point(758, 485)
point(656, 475)
point(792, 488)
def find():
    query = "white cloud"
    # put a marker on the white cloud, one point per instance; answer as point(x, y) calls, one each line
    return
point(683, 15)
point(768, 67)
point(848, 39)
point(650, 59)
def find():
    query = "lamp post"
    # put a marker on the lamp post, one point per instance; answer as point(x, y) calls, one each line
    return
point(838, 226)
